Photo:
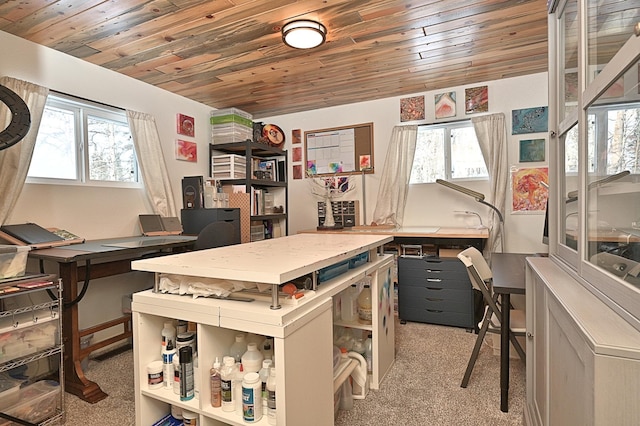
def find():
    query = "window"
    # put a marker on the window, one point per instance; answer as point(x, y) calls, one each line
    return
point(80, 142)
point(447, 151)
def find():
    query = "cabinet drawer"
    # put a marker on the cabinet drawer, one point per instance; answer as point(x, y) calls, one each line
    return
point(228, 214)
point(430, 263)
point(459, 283)
point(434, 316)
point(432, 274)
point(436, 299)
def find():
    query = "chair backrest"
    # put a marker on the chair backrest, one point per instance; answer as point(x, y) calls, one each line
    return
point(473, 256)
point(217, 234)
point(479, 274)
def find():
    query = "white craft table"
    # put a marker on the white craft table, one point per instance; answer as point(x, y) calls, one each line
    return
point(302, 329)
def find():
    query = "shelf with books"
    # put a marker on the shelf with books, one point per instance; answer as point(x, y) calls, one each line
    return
point(265, 182)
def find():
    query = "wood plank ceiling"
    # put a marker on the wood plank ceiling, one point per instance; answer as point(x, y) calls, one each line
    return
point(229, 53)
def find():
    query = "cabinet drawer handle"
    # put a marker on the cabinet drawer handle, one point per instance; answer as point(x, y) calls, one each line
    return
point(435, 311)
point(434, 288)
point(434, 280)
point(435, 271)
point(433, 299)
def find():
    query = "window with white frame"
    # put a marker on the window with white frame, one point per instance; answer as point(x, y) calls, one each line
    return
point(80, 142)
point(448, 151)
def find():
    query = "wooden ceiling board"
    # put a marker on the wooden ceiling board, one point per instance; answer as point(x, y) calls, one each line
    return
point(229, 53)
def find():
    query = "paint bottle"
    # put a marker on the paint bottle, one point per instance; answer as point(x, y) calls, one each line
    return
point(271, 401)
point(252, 359)
point(364, 305)
point(264, 376)
point(186, 374)
point(227, 375)
point(251, 398)
point(168, 353)
point(176, 374)
point(214, 379)
point(189, 418)
point(237, 389)
point(154, 374)
point(238, 348)
point(168, 333)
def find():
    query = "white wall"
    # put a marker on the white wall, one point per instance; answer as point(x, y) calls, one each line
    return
point(427, 204)
point(96, 212)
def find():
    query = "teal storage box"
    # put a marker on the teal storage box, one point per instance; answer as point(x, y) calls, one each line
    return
point(325, 274)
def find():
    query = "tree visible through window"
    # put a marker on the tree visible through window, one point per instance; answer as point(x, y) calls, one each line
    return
point(447, 151)
point(82, 142)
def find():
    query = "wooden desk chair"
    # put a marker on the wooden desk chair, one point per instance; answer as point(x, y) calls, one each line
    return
point(217, 234)
point(481, 276)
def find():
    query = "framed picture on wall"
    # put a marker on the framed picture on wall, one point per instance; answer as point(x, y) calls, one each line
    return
point(531, 150)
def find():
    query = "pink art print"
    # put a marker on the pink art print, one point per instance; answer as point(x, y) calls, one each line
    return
point(186, 151)
point(529, 194)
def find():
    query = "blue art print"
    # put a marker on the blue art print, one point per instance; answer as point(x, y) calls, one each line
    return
point(529, 120)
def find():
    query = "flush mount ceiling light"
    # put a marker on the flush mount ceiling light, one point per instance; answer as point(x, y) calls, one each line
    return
point(304, 34)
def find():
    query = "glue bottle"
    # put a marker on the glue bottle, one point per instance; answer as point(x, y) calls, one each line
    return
point(214, 376)
point(227, 376)
point(271, 401)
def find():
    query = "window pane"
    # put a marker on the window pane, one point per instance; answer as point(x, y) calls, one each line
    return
point(466, 156)
point(429, 159)
point(55, 153)
point(622, 142)
point(111, 153)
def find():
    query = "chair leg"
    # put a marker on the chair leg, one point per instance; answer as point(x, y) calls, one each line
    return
point(518, 347)
point(476, 348)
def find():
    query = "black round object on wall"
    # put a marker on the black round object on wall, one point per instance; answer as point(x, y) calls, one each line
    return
point(20, 118)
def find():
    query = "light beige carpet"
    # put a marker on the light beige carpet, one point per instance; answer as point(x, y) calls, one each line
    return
point(422, 388)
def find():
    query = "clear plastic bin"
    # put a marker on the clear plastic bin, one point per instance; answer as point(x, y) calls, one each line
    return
point(13, 260)
point(37, 402)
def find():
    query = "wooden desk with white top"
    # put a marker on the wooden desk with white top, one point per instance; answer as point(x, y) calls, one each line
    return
point(439, 236)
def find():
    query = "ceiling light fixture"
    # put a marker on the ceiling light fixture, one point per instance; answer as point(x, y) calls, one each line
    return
point(304, 34)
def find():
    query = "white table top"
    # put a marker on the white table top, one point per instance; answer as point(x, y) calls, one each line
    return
point(272, 261)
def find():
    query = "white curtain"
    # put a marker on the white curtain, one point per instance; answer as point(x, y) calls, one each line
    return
point(152, 165)
point(492, 137)
point(15, 160)
point(394, 183)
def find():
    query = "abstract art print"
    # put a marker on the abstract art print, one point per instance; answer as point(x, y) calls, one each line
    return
point(529, 194)
point(529, 120)
point(531, 150)
point(476, 99)
point(445, 105)
point(186, 151)
point(412, 108)
point(186, 125)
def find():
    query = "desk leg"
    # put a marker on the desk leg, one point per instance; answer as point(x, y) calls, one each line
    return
point(504, 353)
point(74, 380)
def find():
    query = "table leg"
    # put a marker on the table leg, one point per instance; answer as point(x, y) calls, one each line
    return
point(504, 353)
point(74, 380)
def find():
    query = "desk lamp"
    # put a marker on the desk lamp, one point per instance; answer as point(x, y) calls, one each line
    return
point(573, 195)
point(479, 198)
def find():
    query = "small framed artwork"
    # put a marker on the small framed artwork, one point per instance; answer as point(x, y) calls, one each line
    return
point(412, 108)
point(186, 151)
point(186, 125)
point(529, 193)
point(297, 171)
point(296, 136)
point(445, 105)
point(531, 150)
point(476, 99)
point(296, 154)
point(529, 120)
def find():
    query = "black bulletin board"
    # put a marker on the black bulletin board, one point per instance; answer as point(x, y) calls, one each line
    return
point(344, 150)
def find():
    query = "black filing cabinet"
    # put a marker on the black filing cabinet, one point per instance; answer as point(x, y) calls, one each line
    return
point(434, 290)
point(194, 220)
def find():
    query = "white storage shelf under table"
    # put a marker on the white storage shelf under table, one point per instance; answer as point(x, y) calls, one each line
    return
point(302, 332)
